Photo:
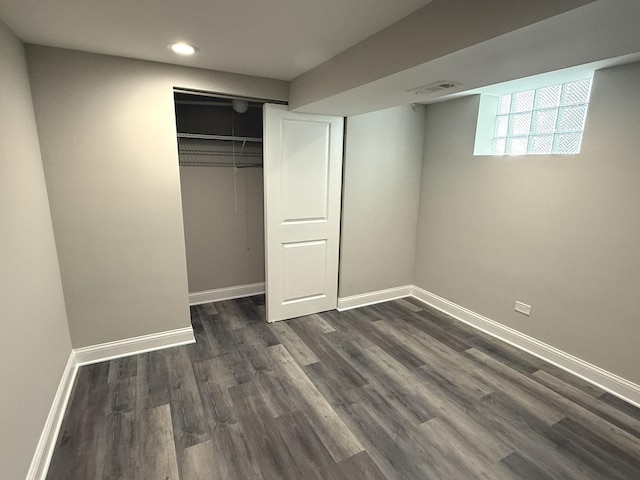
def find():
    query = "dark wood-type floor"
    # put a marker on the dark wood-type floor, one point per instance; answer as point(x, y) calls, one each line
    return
point(387, 391)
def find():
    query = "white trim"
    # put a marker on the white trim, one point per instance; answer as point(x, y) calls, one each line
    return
point(608, 381)
point(227, 293)
point(379, 296)
point(133, 346)
point(84, 356)
point(44, 450)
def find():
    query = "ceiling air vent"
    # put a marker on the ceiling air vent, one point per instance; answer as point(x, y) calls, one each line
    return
point(434, 87)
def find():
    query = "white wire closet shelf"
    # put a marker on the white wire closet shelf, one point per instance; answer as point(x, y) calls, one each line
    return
point(219, 150)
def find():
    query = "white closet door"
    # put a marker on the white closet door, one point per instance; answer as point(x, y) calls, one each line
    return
point(302, 188)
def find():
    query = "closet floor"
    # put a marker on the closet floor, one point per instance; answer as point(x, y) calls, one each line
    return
point(392, 391)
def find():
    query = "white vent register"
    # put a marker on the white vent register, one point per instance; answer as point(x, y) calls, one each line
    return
point(435, 87)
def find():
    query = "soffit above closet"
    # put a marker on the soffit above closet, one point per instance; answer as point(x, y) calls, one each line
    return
point(276, 39)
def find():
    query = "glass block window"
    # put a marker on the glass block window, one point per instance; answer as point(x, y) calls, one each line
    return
point(549, 120)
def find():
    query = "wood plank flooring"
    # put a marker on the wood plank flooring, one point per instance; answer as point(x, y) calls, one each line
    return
point(393, 391)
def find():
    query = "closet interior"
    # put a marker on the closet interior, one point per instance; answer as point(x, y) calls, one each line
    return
point(220, 158)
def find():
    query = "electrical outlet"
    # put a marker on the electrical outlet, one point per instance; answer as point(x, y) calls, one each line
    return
point(523, 308)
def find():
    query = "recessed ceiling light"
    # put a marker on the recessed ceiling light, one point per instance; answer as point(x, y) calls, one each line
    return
point(182, 48)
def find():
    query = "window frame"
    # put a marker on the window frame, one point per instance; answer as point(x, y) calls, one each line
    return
point(517, 117)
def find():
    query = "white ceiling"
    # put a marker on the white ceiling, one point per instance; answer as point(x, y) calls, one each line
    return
point(275, 38)
point(284, 38)
point(567, 46)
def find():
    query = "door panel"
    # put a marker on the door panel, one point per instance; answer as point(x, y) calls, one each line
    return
point(302, 179)
point(305, 170)
point(304, 270)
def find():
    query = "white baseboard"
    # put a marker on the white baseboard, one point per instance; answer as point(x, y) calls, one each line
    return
point(371, 298)
point(85, 356)
point(227, 293)
point(44, 449)
point(133, 346)
point(608, 381)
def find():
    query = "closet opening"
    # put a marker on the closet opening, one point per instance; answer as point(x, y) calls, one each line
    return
point(220, 159)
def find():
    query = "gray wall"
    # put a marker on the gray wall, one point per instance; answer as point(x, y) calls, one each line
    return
point(225, 247)
point(107, 133)
point(560, 233)
point(383, 160)
point(35, 343)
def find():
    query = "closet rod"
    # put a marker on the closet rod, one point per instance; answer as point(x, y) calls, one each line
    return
point(219, 137)
point(196, 164)
point(205, 93)
point(213, 153)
